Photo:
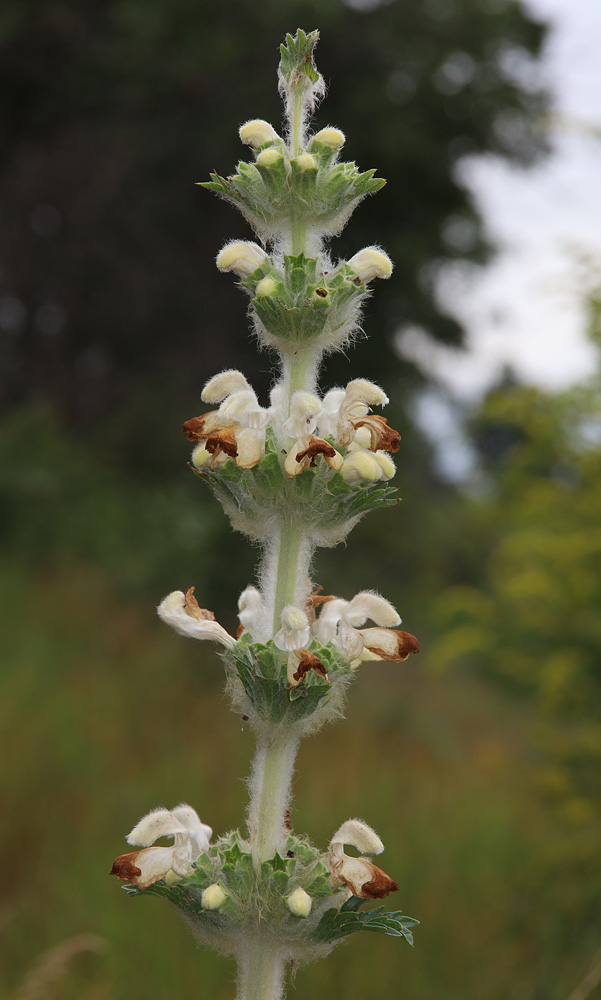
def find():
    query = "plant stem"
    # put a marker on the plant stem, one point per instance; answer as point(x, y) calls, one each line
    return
point(297, 123)
point(261, 971)
point(270, 781)
point(285, 588)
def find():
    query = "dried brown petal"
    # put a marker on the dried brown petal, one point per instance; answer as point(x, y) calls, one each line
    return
point(125, 867)
point(309, 661)
point(379, 886)
point(191, 608)
point(199, 428)
point(222, 441)
point(383, 436)
point(389, 644)
point(315, 599)
point(316, 447)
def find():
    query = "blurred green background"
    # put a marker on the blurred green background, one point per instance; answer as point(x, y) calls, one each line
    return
point(477, 764)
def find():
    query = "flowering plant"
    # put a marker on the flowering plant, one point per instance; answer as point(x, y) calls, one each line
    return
point(293, 476)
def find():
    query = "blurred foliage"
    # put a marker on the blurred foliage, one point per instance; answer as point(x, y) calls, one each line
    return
point(112, 109)
point(533, 619)
point(106, 713)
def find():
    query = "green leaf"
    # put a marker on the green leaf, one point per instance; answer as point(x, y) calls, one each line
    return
point(336, 924)
point(296, 64)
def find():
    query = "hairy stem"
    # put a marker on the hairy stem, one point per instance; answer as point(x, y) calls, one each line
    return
point(260, 971)
point(269, 784)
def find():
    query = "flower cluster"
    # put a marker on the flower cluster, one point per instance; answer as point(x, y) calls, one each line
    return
point(146, 866)
point(352, 440)
point(191, 838)
point(339, 623)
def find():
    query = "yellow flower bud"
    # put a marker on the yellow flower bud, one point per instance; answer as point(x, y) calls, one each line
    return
point(371, 263)
point(213, 897)
point(331, 137)
point(200, 456)
point(299, 903)
point(386, 464)
point(256, 133)
point(266, 286)
point(361, 465)
point(268, 157)
point(306, 162)
point(241, 258)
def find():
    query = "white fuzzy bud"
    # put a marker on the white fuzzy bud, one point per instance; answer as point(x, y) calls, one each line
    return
point(241, 258)
point(331, 137)
point(212, 897)
point(257, 133)
point(371, 263)
point(299, 903)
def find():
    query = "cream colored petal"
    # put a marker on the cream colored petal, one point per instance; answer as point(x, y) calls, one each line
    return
point(361, 466)
point(326, 627)
point(356, 833)
point(350, 642)
point(386, 464)
point(249, 448)
point(154, 863)
point(369, 605)
point(222, 385)
point(171, 611)
point(158, 823)
point(198, 832)
point(304, 411)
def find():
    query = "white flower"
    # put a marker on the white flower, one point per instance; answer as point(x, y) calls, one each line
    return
point(327, 421)
point(359, 396)
point(295, 631)
point(304, 453)
point(340, 622)
point(371, 263)
point(304, 411)
point(190, 838)
point(236, 430)
point(361, 876)
point(299, 903)
point(257, 133)
point(181, 611)
point(250, 609)
point(241, 258)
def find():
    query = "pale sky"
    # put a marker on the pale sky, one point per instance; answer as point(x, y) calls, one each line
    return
point(524, 308)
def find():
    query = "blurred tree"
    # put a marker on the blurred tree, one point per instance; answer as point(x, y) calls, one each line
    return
point(111, 109)
point(534, 619)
